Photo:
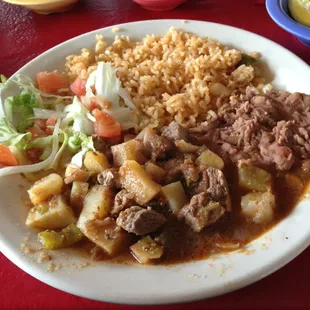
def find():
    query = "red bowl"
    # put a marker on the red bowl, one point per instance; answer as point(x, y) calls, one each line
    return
point(159, 5)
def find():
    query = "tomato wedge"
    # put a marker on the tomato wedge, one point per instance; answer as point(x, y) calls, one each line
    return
point(41, 123)
point(89, 105)
point(34, 154)
point(51, 82)
point(6, 156)
point(78, 87)
point(105, 125)
point(50, 123)
point(36, 132)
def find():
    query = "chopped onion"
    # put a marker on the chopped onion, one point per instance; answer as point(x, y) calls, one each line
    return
point(91, 117)
point(127, 99)
point(123, 116)
point(267, 88)
point(82, 124)
point(46, 114)
point(77, 159)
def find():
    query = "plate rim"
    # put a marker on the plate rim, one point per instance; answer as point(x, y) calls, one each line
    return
point(14, 256)
point(155, 21)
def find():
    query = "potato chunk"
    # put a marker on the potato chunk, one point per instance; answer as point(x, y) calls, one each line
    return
point(45, 188)
point(253, 178)
point(157, 173)
point(78, 192)
point(52, 239)
point(96, 162)
point(97, 205)
point(146, 250)
point(51, 215)
point(76, 174)
point(138, 182)
point(210, 159)
point(107, 235)
point(258, 207)
point(175, 195)
point(186, 147)
point(130, 150)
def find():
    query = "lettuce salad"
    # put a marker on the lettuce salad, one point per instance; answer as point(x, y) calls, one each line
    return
point(69, 122)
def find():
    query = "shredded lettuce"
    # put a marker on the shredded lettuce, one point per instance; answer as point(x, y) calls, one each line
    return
point(74, 143)
point(108, 86)
point(80, 141)
point(82, 124)
point(46, 144)
point(127, 99)
point(77, 117)
point(64, 142)
point(124, 116)
point(74, 127)
point(19, 110)
point(9, 136)
point(46, 113)
point(13, 139)
point(49, 162)
point(43, 99)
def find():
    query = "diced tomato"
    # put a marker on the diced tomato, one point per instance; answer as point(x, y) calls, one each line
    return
point(41, 123)
point(105, 125)
point(34, 154)
point(6, 156)
point(51, 82)
point(90, 105)
point(93, 105)
point(50, 123)
point(78, 87)
point(36, 132)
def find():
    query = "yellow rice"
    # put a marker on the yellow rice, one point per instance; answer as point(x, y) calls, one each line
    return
point(175, 76)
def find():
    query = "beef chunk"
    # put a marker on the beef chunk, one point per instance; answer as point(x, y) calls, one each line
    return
point(176, 132)
point(101, 146)
point(218, 188)
point(123, 200)
point(176, 167)
point(109, 178)
point(201, 212)
point(214, 184)
point(190, 171)
point(173, 168)
point(140, 221)
point(157, 146)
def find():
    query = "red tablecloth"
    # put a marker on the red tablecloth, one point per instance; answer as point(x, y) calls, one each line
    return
point(24, 35)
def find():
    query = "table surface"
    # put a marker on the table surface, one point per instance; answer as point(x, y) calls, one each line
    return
point(24, 35)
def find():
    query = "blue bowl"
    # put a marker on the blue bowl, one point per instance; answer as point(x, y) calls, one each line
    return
point(279, 12)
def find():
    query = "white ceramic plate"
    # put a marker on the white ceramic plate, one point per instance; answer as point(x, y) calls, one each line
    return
point(183, 282)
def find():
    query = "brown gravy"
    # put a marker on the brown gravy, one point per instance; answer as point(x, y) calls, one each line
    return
point(232, 232)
